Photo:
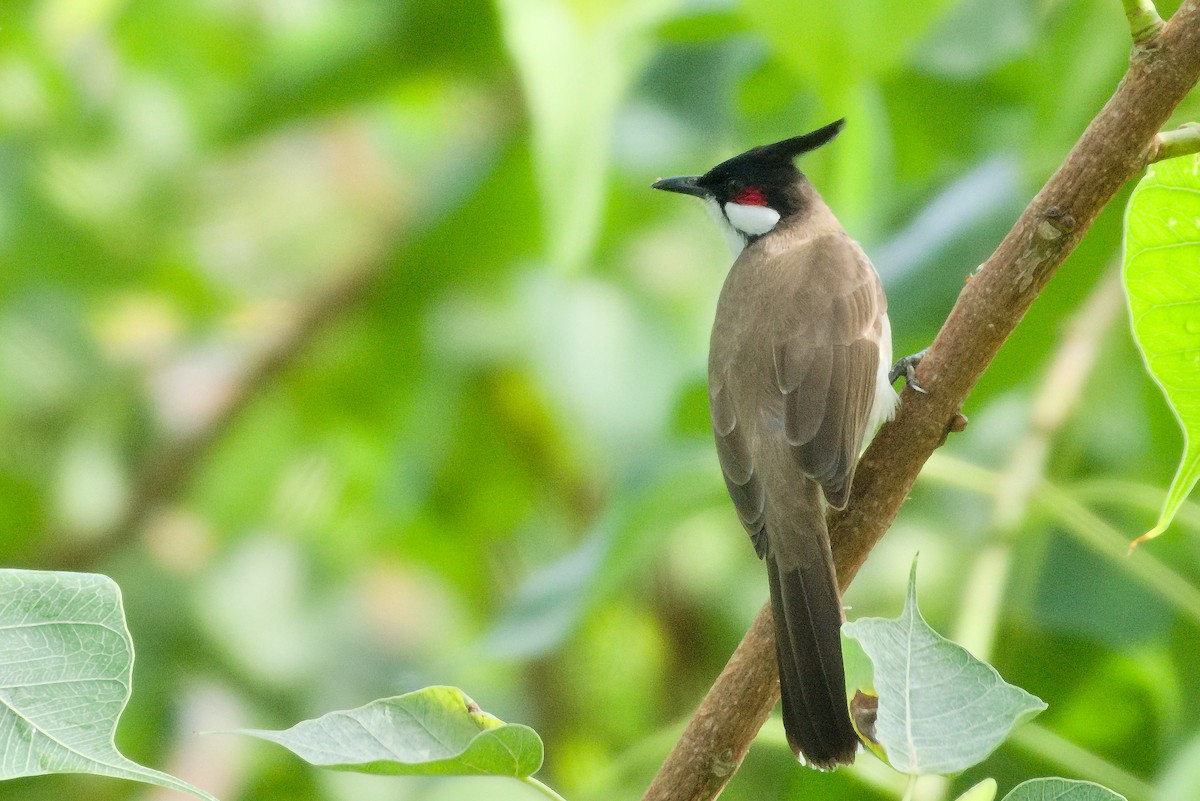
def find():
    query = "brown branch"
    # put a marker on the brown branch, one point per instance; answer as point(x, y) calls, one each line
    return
point(1113, 149)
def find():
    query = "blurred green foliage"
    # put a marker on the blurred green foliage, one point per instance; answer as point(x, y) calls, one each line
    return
point(349, 340)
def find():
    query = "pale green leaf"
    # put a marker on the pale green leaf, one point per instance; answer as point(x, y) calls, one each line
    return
point(65, 678)
point(577, 61)
point(941, 710)
point(1162, 282)
point(984, 791)
point(434, 731)
point(1061, 790)
point(859, 162)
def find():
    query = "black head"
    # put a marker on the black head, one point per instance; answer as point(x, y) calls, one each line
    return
point(757, 188)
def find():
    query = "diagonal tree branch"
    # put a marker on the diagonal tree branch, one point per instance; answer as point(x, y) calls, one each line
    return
point(1113, 148)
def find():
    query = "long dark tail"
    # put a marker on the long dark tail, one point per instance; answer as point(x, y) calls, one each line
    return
point(808, 620)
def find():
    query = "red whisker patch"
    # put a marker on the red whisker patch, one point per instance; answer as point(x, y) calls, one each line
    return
point(751, 196)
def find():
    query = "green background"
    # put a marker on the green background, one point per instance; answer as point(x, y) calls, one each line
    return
point(348, 338)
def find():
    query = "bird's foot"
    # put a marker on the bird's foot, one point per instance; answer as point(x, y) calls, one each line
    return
point(907, 367)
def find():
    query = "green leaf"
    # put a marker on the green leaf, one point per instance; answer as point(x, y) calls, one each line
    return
point(1162, 243)
point(941, 710)
point(841, 44)
point(1061, 790)
point(984, 791)
point(65, 678)
point(577, 60)
point(434, 731)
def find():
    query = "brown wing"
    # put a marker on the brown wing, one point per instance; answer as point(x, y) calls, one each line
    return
point(795, 340)
point(827, 363)
point(734, 452)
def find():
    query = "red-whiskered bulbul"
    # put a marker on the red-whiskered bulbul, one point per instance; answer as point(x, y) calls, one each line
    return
point(798, 379)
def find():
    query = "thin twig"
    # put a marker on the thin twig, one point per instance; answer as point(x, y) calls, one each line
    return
point(1110, 152)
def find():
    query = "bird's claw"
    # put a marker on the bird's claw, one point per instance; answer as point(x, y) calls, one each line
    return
point(907, 367)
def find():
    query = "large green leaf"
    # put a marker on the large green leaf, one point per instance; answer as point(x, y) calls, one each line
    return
point(434, 731)
point(1162, 281)
point(941, 710)
point(1061, 790)
point(65, 678)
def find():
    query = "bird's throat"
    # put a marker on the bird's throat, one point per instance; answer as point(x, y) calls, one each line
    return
point(741, 223)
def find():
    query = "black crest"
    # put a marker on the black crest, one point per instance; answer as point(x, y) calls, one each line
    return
point(789, 149)
point(768, 168)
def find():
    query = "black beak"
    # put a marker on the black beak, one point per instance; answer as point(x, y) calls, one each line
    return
point(684, 185)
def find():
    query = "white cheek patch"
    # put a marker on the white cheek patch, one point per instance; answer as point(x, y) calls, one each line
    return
point(751, 220)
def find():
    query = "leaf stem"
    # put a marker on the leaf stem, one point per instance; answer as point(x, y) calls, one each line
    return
point(542, 788)
point(910, 787)
point(1144, 22)
point(1183, 141)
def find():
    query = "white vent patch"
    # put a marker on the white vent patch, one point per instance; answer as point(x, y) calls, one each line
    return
point(751, 220)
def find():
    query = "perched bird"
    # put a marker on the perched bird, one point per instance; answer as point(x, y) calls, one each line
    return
point(798, 379)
